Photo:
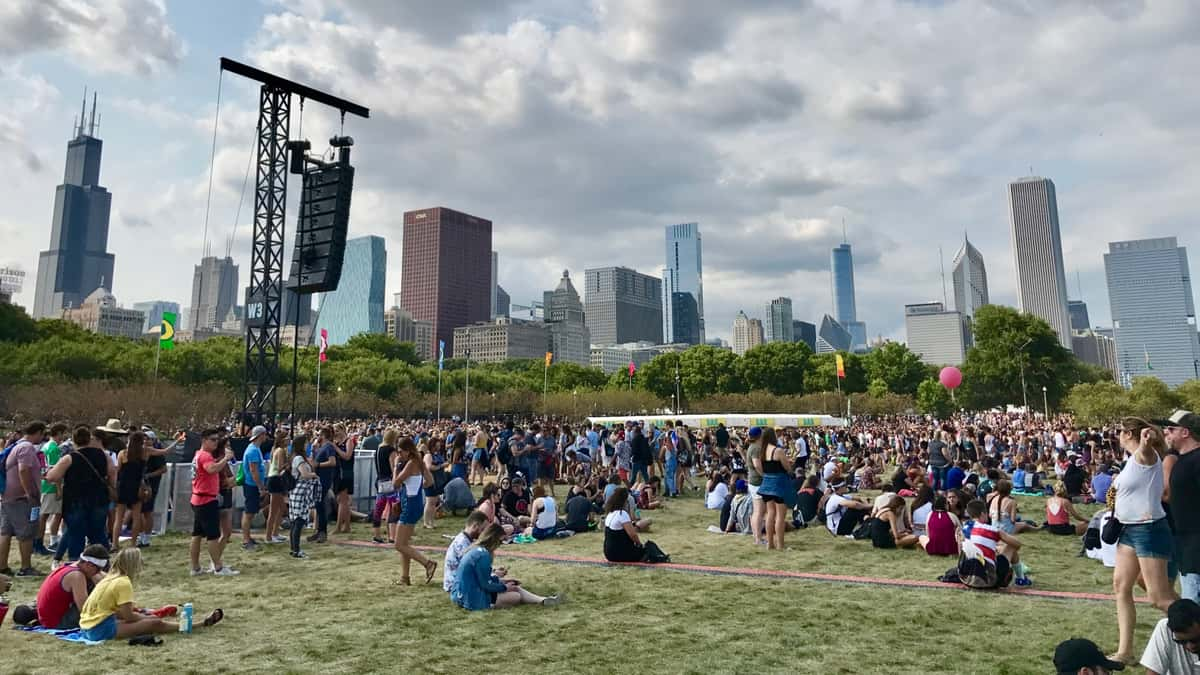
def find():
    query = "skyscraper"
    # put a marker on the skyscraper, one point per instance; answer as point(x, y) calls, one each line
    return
point(1078, 313)
point(845, 310)
point(1037, 253)
point(747, 333)
point(833, 336)
point(803, 331)
point(357, 304)
point(401, 327)
point(938, 336)
point(288, 314)
point(495, 283)
point(569, 337)
point(214, 292)
point(970, 279)
point(778, 324)
point(503, 302)
point(153, 311)
point(77, 261)
point(1154, 316)
point(685, 319)
point(622, 305)
point(447, 270)
point(684, 265)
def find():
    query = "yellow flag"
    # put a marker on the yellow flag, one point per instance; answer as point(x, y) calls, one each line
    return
point(549, 358)
point(841, 367)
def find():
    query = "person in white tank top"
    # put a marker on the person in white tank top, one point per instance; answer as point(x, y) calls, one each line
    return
point(1145, 545)
point(545, 514)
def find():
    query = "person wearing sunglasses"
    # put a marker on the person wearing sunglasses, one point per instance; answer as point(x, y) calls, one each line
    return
point(1182, 433)
point(1175, 641)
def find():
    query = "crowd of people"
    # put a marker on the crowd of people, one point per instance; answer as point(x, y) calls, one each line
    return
point(945, 487)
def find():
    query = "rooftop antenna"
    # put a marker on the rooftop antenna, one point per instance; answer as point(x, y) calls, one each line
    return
point(82, 112)
point(942, 262)
point(97, 122)
point(92, 123)
point(844, 241)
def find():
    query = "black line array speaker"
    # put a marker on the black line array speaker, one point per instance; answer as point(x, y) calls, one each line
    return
point(323, 224)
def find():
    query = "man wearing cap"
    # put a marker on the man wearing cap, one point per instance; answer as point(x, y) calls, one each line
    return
point(843, 514)
point(1182, 432)
point(1079, 656)
point(66, 589)
point(1175, 641)
point(254, 472)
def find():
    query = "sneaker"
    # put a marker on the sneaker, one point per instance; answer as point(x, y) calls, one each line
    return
point(29, 572)
point(379, 540)
point(1024, 582)
point(554, 600)
point(40, 549)
point(312, 538)
point(322, 538)
point(225, 571)
point(277, 540)
point(299, 555)
point(199, 572)
point(250, 545)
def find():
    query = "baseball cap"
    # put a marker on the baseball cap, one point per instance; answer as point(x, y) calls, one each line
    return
point(740, 485)
point(257, 431)
point(1076, 653)
point(754, 432)
point(1182, 418)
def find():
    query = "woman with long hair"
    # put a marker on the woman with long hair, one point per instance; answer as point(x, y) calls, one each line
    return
point(778, 490)
point(621, 540)
point(489, 505)
point(131, 469)
point(1060, 512)
point(922, 506)
point(475, 586)
point(387, 504)
point(479, 457)
point(306, 487)
point(409, 474)
point(276, 468)
point(433, 454)
point(1002, 509)
point(460, 459)
point(1145, 545)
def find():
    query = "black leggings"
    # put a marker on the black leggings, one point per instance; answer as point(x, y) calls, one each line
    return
point(294, 534)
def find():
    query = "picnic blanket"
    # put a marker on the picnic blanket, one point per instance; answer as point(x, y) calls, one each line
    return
point(70, 634)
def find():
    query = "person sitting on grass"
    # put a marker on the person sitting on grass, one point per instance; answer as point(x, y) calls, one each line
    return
point(456, 496)
point(109, 611)
point(66, 590)
point(477, 522)
point(843, 514)
point(1060, 512)
point(994, 546)
point(922, 506)
point(579, 513)
point(717, 489)
point(886, 529)
point(647, 493)
point(1175, 641)
point(943, 532)
point(476, 587)
point(489, 506)
point(737, 519)
point(516, 500)
point(544, 513)
point(621, 540)
point(807, 502)
point(1002, 510)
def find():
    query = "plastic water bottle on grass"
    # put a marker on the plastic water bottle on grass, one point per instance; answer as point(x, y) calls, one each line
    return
point(185, 618)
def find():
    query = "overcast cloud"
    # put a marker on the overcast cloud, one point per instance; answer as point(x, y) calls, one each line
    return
point(581, 130)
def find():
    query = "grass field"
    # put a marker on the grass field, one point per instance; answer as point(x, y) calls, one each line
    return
point(338, 612)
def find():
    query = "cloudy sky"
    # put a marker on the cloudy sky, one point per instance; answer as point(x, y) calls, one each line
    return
point(582, 128)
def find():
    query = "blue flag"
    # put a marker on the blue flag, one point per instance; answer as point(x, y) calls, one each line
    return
point(441, 353)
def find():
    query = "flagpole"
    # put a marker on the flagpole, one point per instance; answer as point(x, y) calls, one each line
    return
point(545, 385)
point(157, 354)
point(467, 393)
point(318, 411)
point(441, 360)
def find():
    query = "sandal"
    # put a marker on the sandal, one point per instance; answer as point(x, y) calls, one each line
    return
point(430, 569)
point(214, 618)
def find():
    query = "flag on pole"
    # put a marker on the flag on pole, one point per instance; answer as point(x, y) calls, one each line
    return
point(324, 344)
point(1149, 366)
point(549, 358)
point(441, 353)
point(841, 367)
point(166, 332)
point(631, 369)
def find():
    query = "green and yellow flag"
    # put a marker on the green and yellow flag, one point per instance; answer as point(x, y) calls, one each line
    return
point(166, 334)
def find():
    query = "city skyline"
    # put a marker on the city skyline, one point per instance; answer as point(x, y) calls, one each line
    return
point(1037, 253)
point(938, 139)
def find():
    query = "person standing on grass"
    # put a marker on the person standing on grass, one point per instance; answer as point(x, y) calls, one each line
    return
point(206, 503)
point(303, 495)
point(276, 487)
point(433, 455)
point(642, 455)
point(22, 493)
point(156, 468)
point(131, 470)
point(254, 472)
point(668, 459)
point(386, 503)
point(343, 487)
point(754, 479)
point(408, 475)
point(51, 500)
point(477, 588)
point(109, 613)
point(1182, 432)
point(83, 475)
point(326, 462)
point(1145, 545)
point(777, 491)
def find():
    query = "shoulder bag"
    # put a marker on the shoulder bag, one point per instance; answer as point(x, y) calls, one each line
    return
point(112, 491)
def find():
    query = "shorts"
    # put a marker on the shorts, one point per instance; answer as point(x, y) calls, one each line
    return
point(1004, 573)
point(275, 485)
point(412, 507)
point(14, 519)
point(207, 520)
point(343, 485)
point(51, 504)
point(1064, 529)
point(253, 499)
point(752, 490)
point(226, 500)
point(103, 631)
point(1149, 540)
point(543, 532)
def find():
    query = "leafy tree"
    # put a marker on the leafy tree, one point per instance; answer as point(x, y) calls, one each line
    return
point(383, 346)
point(1150, 397)
point(706, 370)
point(821, 374)
point(15, 324)
point(1006, 339)
point(897, 366)
point(1098, 402)
point(777, 367)
point(1189, 394)
point(934, 399)
point(877, 388)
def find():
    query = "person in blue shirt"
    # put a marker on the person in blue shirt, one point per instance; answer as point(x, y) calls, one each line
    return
point(476, 588)
point(326, 461)
point(955, 476)
point(254, 471)
point(1100, 483)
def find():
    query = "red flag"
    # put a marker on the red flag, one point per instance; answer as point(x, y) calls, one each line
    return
point(631, 369)
point(324, 344)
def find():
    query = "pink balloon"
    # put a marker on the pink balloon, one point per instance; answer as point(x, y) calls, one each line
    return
point(950, 377)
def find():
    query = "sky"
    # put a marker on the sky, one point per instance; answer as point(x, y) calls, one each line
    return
point(581, 129)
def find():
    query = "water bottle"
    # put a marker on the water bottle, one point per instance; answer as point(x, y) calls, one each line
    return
point(35, 513)
point(185, 618)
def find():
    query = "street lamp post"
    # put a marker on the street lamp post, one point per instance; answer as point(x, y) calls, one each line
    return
point(575, 404)
point(678, 394)
point(1024, 391)
point(1045, 402)
point(493, 404)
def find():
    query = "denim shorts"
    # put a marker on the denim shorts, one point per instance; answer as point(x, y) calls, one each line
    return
point(412, 507)
point(1149, 540)
point(103, 631)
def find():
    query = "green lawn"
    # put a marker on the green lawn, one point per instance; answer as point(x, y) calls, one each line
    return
point(339, 613)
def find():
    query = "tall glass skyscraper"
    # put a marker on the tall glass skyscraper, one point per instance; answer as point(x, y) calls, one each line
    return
point(1037, 253)
point(778, 323)
point(970, 279)
point(683, 274)
point(845, 311)
point(1153, 313)
point(358, 303)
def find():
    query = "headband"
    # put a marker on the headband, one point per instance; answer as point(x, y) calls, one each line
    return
point(102, 563)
